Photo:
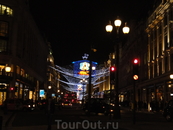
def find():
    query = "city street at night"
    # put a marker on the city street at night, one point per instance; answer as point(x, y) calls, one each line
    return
point(79, 64)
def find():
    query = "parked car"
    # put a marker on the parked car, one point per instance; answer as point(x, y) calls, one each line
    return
point(98, 105)
point(168, 111)
point(42, 104)
point(67, 104)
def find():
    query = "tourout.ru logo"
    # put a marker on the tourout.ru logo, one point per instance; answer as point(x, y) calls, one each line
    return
point(85, 124)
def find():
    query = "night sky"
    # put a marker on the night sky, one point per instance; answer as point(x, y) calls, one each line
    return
point(72, 26)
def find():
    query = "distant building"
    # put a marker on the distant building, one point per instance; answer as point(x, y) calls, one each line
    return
point(22, 48)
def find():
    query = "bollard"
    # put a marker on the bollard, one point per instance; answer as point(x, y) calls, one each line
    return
point(1, 119)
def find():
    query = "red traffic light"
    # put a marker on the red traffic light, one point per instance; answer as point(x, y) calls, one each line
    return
point(11, 88)
point(112, 68)
point(135, 61)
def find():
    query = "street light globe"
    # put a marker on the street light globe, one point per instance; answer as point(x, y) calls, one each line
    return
point(171, 76)
point(109, 28)
point(126, 29)
point(49, 87)
point(7, 69)
point(117, 22)
point(93, 68)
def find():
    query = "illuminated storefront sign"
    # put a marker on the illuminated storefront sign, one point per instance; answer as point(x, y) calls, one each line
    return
point(41, 93)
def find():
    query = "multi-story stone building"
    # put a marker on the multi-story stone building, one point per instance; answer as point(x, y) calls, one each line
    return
point(153, 48)
point(23, 48)
point(53, 84)
point(160, 53)
point(151, 42)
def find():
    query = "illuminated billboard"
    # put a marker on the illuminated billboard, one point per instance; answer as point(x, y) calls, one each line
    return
point(82, 67)
point(41, 93)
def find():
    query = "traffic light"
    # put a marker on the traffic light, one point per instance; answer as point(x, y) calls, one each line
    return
point(135, 69)
point(112, 73)
point(11, 88)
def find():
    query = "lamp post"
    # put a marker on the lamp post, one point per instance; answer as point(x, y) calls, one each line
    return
point(83, 81)
point(125, 30)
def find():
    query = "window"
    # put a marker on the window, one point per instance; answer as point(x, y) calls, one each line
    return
point(3, 28)
point(166, 64)
point(4, 10)
point(3, 45)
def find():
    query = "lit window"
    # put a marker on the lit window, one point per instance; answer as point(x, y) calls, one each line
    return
point(3, 45)
point(3, 28)
point(4, 10)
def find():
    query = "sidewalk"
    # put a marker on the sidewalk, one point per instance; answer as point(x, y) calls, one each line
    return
point(5, 117)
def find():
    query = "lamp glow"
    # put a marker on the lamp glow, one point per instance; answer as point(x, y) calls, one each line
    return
point(109, 28)
point(126, 29)
point(7, 69)
point(117, 22)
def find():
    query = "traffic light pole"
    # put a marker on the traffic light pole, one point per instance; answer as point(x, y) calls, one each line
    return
point(117, 114)
point(135, 78)
point(134, 102)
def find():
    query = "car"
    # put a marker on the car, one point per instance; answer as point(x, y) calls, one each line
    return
point(28, 105)
point(98, 105)
point(67, 104)
point(42, 104)
point(168, 111)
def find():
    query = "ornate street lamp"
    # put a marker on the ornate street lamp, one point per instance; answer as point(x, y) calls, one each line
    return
point(125, 30)
point(117, 23)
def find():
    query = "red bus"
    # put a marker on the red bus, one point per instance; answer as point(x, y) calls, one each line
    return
point(70, 97)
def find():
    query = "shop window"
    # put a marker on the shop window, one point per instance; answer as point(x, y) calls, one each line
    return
point(22, 72)
point(18, 69)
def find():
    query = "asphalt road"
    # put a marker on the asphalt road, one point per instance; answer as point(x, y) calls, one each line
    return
point(75, 118)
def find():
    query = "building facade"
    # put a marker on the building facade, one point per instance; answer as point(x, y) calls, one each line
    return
point(151, 42)
point(53, 84)
point(153, 48)
point(23, 49)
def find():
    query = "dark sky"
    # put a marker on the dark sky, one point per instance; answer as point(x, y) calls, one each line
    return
point(72, 26)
